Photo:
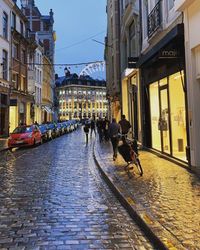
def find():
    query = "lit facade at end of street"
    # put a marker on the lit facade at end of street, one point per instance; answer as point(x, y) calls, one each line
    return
point(99, 124)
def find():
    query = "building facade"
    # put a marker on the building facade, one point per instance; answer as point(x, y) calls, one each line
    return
point(20, 99)
point(191, 12)
point(5, 54)
point(47, 91)
point(129, 53)
point(163, 80)
point(112, 58)
point(42, 27)
point(81, 97)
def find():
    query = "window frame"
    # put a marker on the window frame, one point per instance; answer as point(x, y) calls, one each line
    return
point(5, 25)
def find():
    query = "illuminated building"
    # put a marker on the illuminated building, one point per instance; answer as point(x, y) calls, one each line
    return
point(80, 97)
point(5, 78)
point(20, 98)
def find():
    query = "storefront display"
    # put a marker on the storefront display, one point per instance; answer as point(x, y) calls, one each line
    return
point(167, 115)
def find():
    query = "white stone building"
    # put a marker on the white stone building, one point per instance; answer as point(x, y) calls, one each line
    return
point(191, 13)
point(163, 80)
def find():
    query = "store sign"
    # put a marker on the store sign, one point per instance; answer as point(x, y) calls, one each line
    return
point(132, 62)
point(169, 54)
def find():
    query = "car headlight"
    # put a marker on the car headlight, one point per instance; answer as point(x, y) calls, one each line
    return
point(29, 136)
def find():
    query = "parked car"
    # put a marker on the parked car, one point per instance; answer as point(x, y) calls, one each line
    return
point(44, 131)
point(25, 136)
point(66, 127)
point(51, 130)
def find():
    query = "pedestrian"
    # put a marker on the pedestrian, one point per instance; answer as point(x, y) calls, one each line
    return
point(106, 124)
point(100, 129)
point(93, 126)
point(86, 130)
point(113, 131)
point(124, 125)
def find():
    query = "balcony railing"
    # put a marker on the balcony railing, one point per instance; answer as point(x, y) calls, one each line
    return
point(154, 19)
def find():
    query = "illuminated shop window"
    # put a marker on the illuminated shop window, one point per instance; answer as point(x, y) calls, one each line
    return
point(178, 120)
point(155, 113)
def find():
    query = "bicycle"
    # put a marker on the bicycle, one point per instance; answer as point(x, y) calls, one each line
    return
point(129, 152)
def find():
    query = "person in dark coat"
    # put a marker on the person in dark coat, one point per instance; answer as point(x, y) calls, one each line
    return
point(100, 129)
point(86, 130)
point(113, 131)
point(124, 125)
point(93, 126)
point(106, 124)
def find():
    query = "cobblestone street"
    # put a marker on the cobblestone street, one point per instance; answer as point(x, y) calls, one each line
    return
point(52, 197)
point(167, 193)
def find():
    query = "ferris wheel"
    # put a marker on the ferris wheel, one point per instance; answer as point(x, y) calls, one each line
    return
point(93, 68)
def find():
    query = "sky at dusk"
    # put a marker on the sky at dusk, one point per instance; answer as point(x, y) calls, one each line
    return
point(77, 22)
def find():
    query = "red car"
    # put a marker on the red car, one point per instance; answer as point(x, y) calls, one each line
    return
point(25, 136)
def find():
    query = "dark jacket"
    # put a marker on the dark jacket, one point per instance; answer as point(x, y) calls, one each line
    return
point(114, 129)
point(125, 126)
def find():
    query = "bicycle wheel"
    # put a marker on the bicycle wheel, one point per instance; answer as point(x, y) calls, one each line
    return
point(139, 167)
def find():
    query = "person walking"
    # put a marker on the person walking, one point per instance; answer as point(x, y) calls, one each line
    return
point(93, 126)
point(113, 131)
point(100, 129)
point(106, 124)
point(86, 130)
point(124, 125)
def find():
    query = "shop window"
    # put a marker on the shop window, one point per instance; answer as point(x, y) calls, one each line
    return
point(155, 113)
point(178, 120)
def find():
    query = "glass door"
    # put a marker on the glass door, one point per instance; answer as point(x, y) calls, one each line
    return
point(164, 120)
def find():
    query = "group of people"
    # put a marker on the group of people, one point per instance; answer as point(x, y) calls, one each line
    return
point(108, 131)
point(102, 126)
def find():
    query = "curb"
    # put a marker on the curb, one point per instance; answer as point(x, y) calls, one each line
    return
point(161, 238)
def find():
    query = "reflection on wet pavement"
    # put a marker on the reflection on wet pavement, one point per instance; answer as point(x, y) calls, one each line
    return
point(52, 197)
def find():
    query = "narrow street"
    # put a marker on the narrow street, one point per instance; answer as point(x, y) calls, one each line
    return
point(53, 197)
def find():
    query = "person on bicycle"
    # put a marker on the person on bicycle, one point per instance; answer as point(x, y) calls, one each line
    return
point(113, 131)
point(124, 125)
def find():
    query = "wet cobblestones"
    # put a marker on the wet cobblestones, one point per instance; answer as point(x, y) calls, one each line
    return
point(168, 192)
point(52, 197)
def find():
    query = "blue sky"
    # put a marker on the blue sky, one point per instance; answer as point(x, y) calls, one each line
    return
point(75, 21)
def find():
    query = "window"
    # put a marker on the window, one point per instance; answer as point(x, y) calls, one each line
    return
point(13, 24)
point(5, 25)
point(132, 39)
point(170, 4)
point(21, 28)
point(15, 51)
point(145, 18)
point(5, 65)
point(23, 56)
point(23, 84)
point(15, 80)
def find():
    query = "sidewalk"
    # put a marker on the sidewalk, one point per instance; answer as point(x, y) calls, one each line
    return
point(3, 143)
point(165, 200)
